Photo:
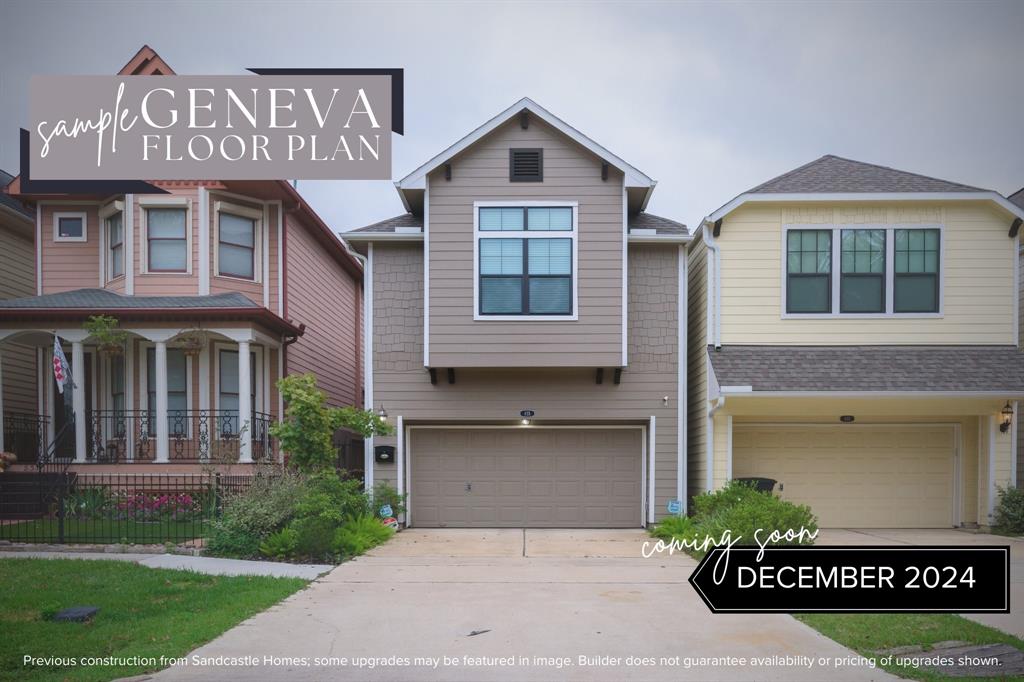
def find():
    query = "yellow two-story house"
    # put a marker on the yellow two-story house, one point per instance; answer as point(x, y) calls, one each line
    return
point(854, 339)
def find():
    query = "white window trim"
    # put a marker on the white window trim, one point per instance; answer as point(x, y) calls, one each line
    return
point(70, 214)
point(890, 257)
point(106, 261)
point(254, 214)
point(143, 398)
point(149, 202)
point(256, 378)
point(572, 234)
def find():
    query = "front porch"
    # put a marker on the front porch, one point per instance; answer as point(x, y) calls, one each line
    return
point(170, 396)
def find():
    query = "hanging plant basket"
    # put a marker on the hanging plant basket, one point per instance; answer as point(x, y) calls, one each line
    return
point(192, 345)
point(112, 349)
point(104, 332)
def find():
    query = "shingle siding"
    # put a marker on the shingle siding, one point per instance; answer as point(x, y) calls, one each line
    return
point(398, 307)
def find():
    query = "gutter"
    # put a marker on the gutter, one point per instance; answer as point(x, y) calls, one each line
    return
point(128, 314)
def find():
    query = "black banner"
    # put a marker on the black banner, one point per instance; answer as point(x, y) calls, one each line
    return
point(855, 579)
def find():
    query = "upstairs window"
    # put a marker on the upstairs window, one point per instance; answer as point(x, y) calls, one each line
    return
point(529, 270)
point(70, 227)
point(809, 271)
point(236, 246)
point(862, 283)
point(916, 271)
point(883, 271)
point(526, 165)
point(167, 239)
point(114, 225)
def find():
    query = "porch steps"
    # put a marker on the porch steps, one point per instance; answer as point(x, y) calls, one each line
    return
point(27, 495)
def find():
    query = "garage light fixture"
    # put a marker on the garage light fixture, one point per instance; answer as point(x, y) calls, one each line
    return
point(525, 422)
point(1007, 417)
point(382, 414)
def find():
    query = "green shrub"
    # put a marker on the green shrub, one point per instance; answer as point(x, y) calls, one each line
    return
point(280, 545)
point(359, 534)
point(1009, 514)
point(738, 512)
point(88, 503)
point(385, 494)
point(251, 516)
point(332, 498)
point(313, 537)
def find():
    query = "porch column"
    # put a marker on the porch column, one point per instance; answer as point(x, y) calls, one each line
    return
point(78, 397)
point(244, 404)
point(162, 444)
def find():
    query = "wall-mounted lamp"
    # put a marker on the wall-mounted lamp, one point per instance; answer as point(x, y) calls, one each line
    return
point(1007, 418)
point(382, 414)
point(525, 422)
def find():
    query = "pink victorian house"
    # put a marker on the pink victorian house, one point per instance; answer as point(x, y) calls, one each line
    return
point(222, 287)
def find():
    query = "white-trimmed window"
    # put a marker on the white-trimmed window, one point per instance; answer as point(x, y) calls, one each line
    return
point(112, 221)
point(179, 373)
point(226, 389)
point(862, 270)
point(525, 260)
point(70, 226)
point(238, 241)
point(167, 235)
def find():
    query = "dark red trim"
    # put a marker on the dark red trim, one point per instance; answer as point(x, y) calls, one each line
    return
point(262, 315)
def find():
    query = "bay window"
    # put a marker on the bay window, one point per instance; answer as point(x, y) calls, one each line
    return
point(238, 237)
point(114, 225)
point(529, 270)
point(177, 390)
point(227, 380)
point(167, 239)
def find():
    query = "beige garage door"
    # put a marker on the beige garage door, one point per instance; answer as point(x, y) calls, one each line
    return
point(530, 478)
point(858, 476)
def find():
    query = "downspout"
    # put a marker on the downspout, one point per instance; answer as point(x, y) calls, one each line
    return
point(709, 474)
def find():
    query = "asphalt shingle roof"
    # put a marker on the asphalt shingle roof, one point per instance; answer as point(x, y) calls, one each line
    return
point(870, 368)
point(649, 221)
point(834, 174)
point(389, 225)
point(9, 201)
point(102, 299)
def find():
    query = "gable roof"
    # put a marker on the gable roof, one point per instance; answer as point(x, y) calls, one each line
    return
point(833, 178)
point(834, 174)
point(10, 202)
point(416, 180)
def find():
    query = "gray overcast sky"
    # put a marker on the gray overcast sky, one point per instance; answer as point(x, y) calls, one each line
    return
point(707, 98)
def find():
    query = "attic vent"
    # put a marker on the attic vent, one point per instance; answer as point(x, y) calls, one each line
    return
point(526, 165)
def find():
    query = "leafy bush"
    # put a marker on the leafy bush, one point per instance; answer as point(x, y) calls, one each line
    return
point(740, 512)
point(251, 516)
point(280, 545)
point(308, 428)
point(88, 503)
point(332, 498)
point(1009, 514)
point(384, 494)
point(359, 534)
point(313, 537)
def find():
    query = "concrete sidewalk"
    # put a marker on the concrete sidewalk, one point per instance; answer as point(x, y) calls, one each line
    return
point(208, 565)
point(515, 605)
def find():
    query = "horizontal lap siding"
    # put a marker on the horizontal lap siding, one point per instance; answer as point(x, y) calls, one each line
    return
point(18, 279)
point(322, 296)
point(697, 372)
point(70, 265)
point(566, 395)
point(978, 261)
point(481, 174)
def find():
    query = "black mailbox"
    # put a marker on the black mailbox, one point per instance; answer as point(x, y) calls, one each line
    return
point(384, 453)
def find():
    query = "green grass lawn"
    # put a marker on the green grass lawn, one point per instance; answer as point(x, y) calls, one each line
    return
point(105, 531)
point(144, 612)
point(869, 633)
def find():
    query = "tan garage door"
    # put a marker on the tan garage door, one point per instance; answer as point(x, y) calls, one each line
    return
point(530, 478)
point(858, 476)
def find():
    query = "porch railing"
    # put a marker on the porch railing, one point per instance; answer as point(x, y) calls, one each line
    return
point(193, 436)
point(25, 434)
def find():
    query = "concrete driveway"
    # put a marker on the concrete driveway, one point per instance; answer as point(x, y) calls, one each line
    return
point(1012, 622)
point(517, 605)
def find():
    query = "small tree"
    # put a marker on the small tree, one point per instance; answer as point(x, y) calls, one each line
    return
point(309, 425)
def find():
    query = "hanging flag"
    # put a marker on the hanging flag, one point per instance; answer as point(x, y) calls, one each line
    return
point(61, 369)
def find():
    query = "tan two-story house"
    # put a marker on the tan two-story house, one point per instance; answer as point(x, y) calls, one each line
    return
point(854, 338)
point(524, 322)
point(221, 288)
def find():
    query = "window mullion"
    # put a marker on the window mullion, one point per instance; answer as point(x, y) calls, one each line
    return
point(835, 282)
point(890, 270)
point(526, 276)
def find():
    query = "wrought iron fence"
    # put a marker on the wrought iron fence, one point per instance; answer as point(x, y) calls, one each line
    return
point(193, 436)
point(25, 434)
point(110, 508)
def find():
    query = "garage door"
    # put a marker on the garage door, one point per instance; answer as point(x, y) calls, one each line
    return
point(536, 477)
point(892, 476)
